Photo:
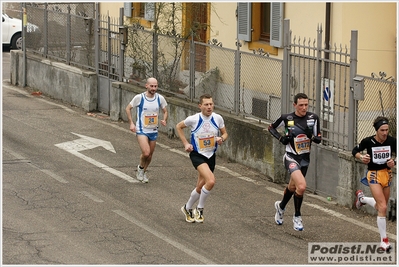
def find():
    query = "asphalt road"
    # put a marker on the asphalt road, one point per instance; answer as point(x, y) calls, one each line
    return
point(70, 197)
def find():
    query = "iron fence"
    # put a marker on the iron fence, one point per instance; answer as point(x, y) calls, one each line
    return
point(380, 97)
point(65, 31)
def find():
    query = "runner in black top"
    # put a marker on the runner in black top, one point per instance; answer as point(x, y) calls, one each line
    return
point(379, 160)
point(301, 128)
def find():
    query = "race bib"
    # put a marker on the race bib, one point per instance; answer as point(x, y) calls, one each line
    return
point(150, 120)
point(206, 142)
point(302, 144)
point(381, 154)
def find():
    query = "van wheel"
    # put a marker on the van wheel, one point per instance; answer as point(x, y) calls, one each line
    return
point(16, 41)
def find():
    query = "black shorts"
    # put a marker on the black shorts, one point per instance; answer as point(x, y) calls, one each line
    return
point(294, 162)
point(197, 159)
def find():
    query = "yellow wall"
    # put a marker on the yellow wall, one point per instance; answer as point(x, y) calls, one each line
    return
point(110, 8)
point(374, 21)
point(224, 23)
point(376, 24)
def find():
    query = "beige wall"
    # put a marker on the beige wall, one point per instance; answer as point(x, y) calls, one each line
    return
point(374, 21)
point(110, 8)
point(224, 23)
point(377, 34)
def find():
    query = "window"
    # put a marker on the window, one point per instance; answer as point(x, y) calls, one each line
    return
point(144, 12)
point(261, 24)
point(265, 22)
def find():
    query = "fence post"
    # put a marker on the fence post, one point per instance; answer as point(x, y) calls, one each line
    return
point(318, 73)
point(122, 48)
point(109, 44)
point(155, 53)
point(318, 96)
point(237, 78)
point(352, 120)
point(68, 36)
point(45, 30)
point(285, 90)
point(192, 68)
point(97, 33)
point(24, 23)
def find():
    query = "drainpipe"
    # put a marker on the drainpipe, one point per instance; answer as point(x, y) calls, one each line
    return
point(327, 47)
point(327, 36)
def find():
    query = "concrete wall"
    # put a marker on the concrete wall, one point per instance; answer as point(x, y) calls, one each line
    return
point(58, 80)
point(333, 172)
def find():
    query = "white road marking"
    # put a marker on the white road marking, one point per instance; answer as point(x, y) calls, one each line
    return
point(159, 235)
point(85, 143)
point(333, 213)
point(48, 172)
point(53, 175)
point(92, 197)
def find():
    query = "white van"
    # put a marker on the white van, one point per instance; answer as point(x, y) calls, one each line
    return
point(12, 31)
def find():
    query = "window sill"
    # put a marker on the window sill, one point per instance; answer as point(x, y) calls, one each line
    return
point(143, 22)
point(255, 45)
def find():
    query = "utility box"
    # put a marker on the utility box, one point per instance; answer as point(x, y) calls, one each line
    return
point(123, 35)
point(88, 25)
point(358, 88)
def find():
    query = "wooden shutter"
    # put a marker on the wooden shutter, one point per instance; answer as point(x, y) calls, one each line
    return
point(276, 22)
point(149, 11)
point(127, 9)
point(244, 21)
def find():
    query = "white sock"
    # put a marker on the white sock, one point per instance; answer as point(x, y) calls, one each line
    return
point(193, 198)
point(382, 226)
point(368, 200)
point(203, 196)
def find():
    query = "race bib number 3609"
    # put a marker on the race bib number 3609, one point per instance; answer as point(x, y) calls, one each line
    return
point(381, 154)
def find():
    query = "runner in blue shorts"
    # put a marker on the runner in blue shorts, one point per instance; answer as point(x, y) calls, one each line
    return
point(147, 105)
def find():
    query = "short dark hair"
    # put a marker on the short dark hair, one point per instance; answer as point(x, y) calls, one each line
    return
point(299, 96)
point(379, 121)
point(204, 96)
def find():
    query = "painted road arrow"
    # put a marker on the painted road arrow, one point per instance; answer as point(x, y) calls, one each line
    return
point(86, 143)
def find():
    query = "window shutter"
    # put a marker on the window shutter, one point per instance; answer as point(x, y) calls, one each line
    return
point(244, 21)
point(276, 22)
point(149, 11)
point(127, 9)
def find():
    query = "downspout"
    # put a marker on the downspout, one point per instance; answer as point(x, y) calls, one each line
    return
point(326, 53)
point(327, 38)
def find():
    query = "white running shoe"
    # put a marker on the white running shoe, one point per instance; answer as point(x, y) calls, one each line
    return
point(189, 214)
point(279, 213)
point(359, 195)
point(140, 174)
point(385, 244)
point(199, 215)
point(297, 220)
point(145, 179)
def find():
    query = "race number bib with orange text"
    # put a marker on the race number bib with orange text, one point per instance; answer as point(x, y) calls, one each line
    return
point(150, 120)
point(206, 142)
